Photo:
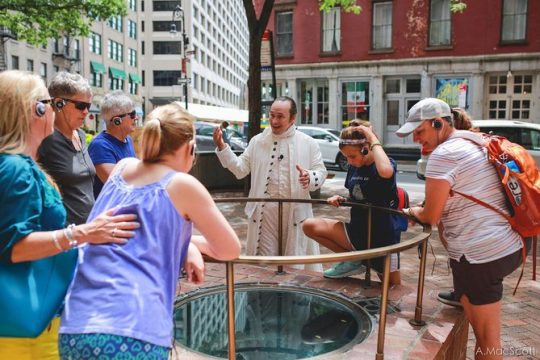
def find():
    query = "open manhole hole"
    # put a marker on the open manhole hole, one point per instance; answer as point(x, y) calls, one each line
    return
point(272, 322)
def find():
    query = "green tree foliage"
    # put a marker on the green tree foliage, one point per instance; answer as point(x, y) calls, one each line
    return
point(346, 5)
point(457, 6)
point(36, 21)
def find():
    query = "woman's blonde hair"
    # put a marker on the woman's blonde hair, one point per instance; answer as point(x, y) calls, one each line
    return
point(461, 120)
point(168, 127)
point(349, 133)
point(20, 90)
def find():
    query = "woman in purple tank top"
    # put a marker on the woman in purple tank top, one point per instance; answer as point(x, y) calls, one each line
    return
point(122, 297)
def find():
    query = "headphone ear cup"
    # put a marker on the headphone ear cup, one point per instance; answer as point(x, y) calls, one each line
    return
point(59, 104)
point(40, 109)
point(437, 124)
point(365, 151)
point(117, 121)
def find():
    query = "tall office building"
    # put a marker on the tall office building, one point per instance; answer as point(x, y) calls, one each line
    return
point(214, 59)
point(138, 54)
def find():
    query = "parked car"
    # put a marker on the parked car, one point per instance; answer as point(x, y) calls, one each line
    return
point(523, 133)
point(329, 145)
point(204, 136)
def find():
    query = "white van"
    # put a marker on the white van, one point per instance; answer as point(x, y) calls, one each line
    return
point(524, 133)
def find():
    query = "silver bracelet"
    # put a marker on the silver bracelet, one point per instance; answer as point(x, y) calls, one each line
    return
point(55, 241)
point(68, 232)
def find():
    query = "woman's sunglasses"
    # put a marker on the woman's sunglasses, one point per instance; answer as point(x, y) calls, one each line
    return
point(132, 115)
point(79, 105)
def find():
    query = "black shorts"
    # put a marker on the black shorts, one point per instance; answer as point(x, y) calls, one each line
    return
point(482, 283)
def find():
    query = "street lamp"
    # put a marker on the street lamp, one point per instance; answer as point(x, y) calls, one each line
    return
point(178, 14)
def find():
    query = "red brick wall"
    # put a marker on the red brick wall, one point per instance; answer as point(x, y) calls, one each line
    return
point(474, 32)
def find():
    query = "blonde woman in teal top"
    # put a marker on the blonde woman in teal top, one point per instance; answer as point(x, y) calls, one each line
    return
point(32, 217)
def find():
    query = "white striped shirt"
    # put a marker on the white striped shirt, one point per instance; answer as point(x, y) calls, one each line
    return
point(471, 229)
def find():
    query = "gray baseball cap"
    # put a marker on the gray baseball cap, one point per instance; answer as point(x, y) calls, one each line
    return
point(428, 108)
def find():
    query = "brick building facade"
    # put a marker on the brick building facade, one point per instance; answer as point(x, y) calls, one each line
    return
point(376, 65)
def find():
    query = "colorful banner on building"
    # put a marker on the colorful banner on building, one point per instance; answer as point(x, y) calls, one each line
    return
point(454, 91)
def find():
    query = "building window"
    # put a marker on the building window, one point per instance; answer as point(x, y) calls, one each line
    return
point(439, 23)
point(354, 101)
point(164, 5)
point(15, 62)
point(167, 47)
point(132, 57)
point(514, 20)
point(133, 86)
point(96, 79)
point(382, 25)
point(30, 65)
point(116, 83)
point(43, 71)
point(166, 77)
point(510, 97)
point(314, 98)
point(115, 50)
point(115, 22)
point(94, 43)
point(132, 5)
point(331, 30)
point(77, 49)
point(400, 94)
point(132, 29)
point(165, 25)
point(284, 33)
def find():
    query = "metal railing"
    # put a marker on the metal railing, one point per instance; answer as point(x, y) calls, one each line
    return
point(386, 252)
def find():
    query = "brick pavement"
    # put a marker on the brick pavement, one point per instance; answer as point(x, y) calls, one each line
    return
point(520, 313)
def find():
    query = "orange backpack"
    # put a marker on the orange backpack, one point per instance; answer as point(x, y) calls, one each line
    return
point(520, 179)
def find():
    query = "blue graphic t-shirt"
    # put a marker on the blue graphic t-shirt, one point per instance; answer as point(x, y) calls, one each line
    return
point(365, 185)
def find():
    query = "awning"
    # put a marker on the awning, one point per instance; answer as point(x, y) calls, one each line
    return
point(117, 73)
point(97, 67)
point(135, 78)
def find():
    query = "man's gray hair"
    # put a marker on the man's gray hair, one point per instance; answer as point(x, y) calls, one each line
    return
point(115, 103)
point(65, 84)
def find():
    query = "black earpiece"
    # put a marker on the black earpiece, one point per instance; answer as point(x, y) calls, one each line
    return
point(437, 124)
point(40, 109)
point(117, 121)
point(192, 150)
point(59, 104)
point(365, 151)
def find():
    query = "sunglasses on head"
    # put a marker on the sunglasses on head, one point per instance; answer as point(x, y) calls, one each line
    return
point(132, 115)
point(79, 105)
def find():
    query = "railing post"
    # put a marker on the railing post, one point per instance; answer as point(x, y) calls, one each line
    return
point(280, 234)
point(417, 321)
point(230, 310)
point(382, 310)
point(368, 261)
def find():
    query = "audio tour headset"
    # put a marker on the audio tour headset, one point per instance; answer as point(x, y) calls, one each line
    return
point(117, 120)
point(40, 109)
point(437, 124)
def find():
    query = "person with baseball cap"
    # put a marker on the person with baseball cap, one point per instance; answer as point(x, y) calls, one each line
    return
point(481, 245)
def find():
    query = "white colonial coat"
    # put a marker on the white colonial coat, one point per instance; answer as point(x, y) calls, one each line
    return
point(257, 159)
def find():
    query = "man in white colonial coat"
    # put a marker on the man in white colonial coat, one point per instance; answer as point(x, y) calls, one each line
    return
point(284, 163)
